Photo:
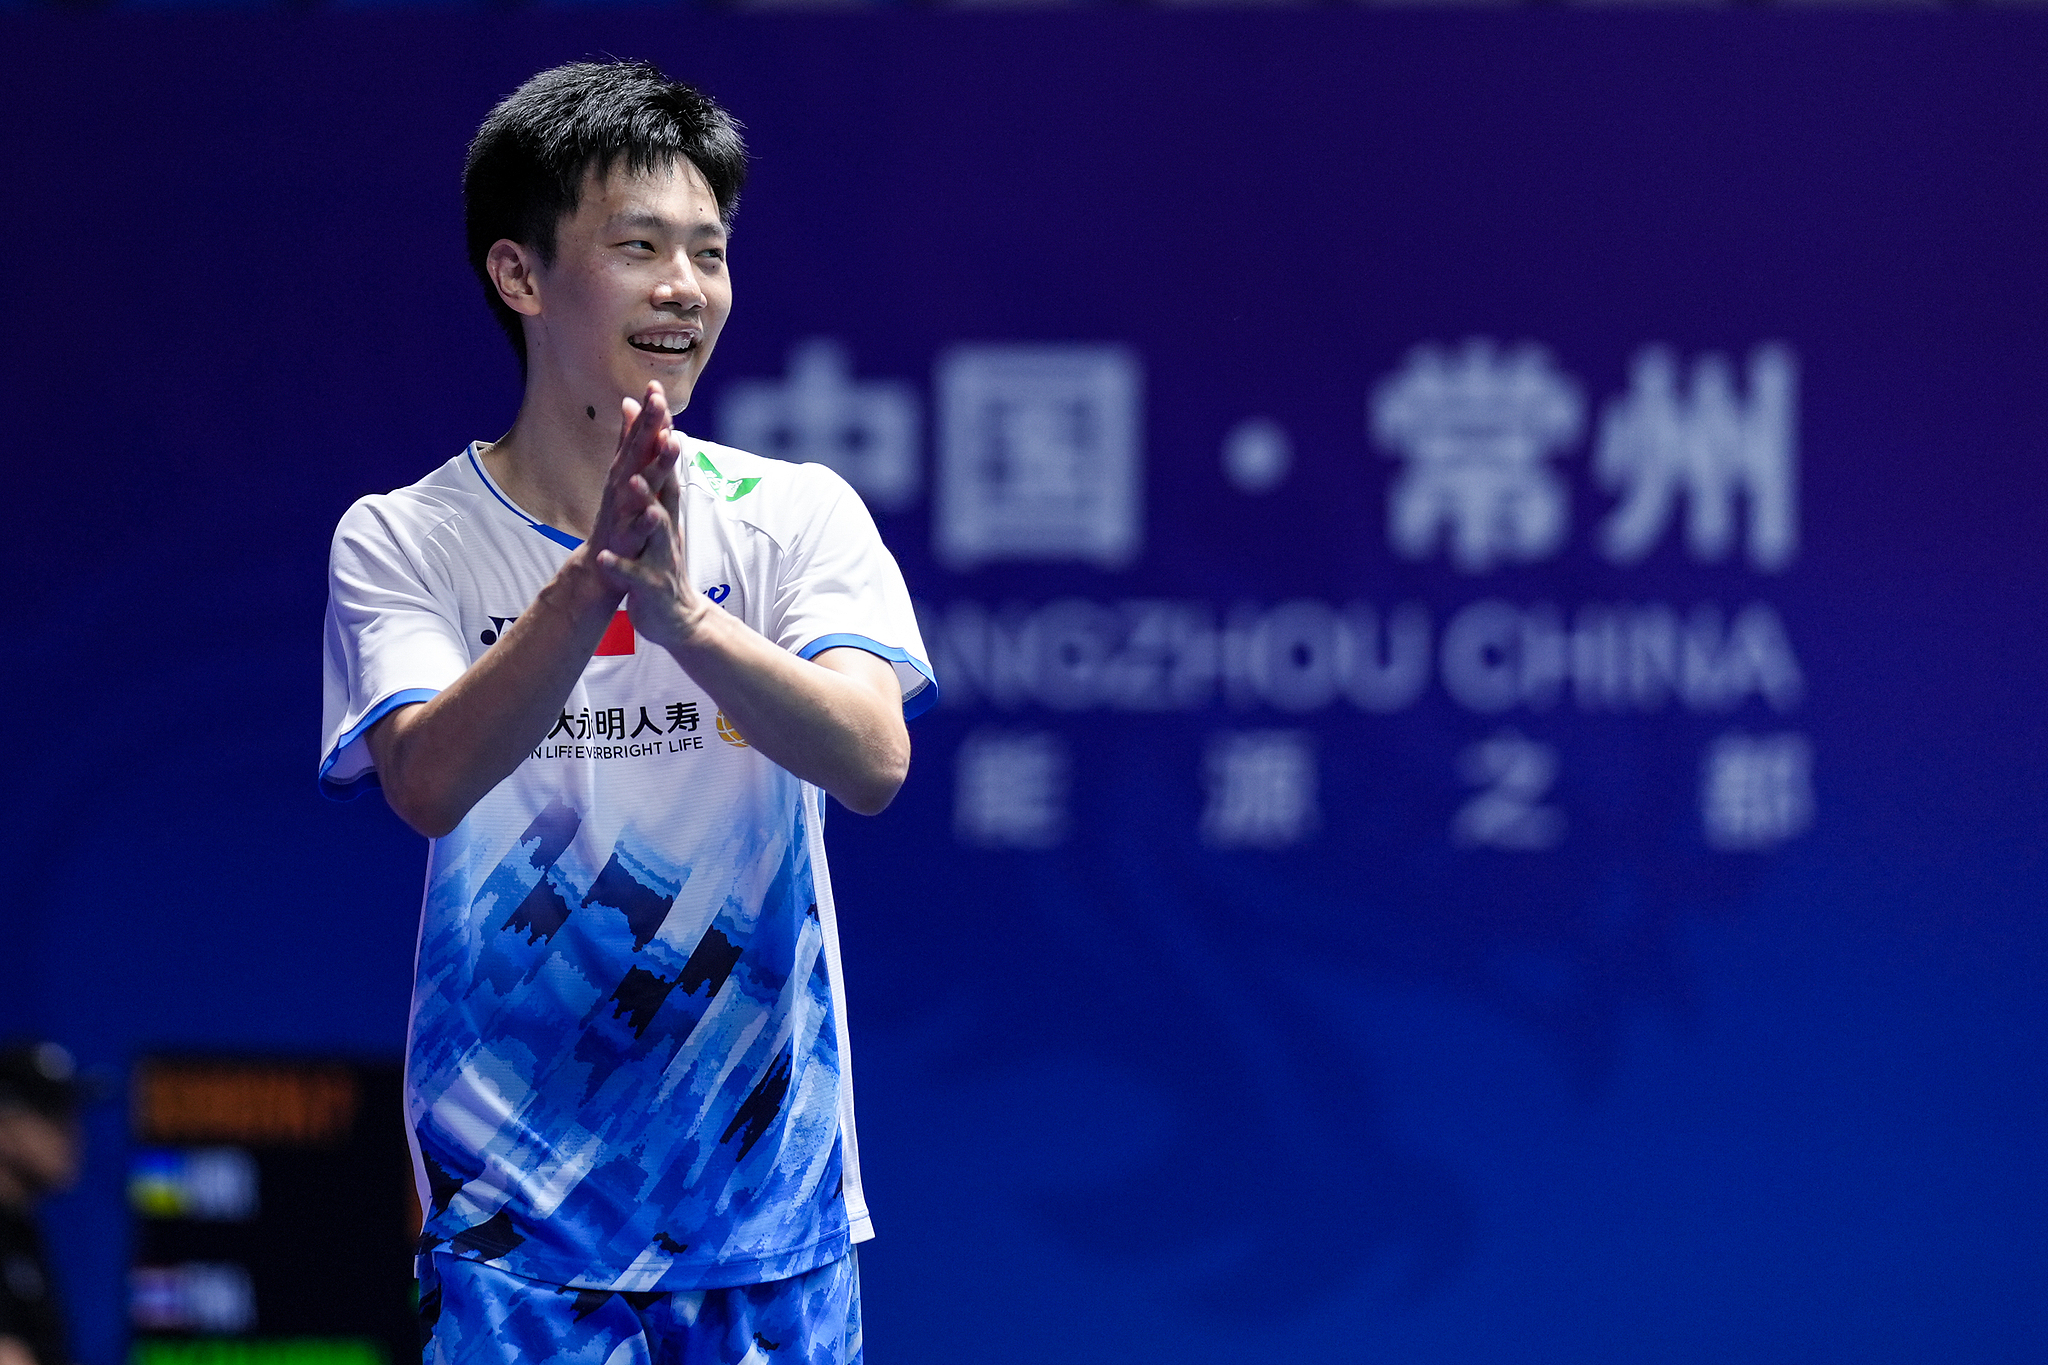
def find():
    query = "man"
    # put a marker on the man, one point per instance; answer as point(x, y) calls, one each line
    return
point(40, 1096)
point(609, 670)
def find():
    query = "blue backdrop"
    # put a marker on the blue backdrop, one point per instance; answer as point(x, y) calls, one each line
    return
point(1486, 570)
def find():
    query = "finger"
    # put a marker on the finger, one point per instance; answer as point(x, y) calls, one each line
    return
point(625, 501)
point(626, 496)
point(639, 495)
point(624, 463)
point(664, 475)
point(619, 573)
point(654, 414)
point(652, 537)
point(636, 519)
point(629, 417)
point(638, 443)
point(661, 469)
point(632, 577)
point(640, 426)
point(650, 434)
point(651, 514)
point(629, 570)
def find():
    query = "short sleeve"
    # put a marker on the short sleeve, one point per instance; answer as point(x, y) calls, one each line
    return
point(391, 640)
point(840, 586)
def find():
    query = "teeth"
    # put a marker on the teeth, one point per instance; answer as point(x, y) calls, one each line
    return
point(667, 343)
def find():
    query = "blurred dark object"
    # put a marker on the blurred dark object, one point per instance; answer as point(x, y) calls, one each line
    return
point(41, 1147)
point(42, 1076)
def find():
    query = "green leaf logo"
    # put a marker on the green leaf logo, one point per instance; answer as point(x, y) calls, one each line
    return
point(732, 490)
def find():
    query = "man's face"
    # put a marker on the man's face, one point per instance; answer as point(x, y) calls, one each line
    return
point(638, 289)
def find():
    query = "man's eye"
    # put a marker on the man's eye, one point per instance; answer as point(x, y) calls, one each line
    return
point(643, 246)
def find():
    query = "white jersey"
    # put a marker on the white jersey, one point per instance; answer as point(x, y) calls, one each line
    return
point(627, 1064)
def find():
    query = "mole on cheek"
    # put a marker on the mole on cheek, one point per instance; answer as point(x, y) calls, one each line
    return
point(591, 413)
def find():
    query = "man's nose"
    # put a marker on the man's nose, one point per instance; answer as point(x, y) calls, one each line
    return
point(679, 285)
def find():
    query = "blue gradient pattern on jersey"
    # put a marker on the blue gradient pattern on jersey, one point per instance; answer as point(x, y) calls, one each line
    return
point(606, 1096)
point(471, 1314)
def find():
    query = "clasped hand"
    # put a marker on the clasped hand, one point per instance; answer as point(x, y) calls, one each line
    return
point(638, 535)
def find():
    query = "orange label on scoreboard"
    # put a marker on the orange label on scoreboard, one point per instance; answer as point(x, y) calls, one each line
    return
point(251, 1103)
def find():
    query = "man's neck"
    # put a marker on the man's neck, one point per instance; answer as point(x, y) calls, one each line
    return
point(554, 460)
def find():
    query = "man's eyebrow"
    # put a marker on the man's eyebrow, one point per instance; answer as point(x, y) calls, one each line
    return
point(654, 222)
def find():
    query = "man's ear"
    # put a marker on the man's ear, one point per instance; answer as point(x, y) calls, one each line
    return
point(514, 270)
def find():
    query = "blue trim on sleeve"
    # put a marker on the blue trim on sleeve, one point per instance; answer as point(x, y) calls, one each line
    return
point(342, 792)
point(356, 786)
point(559, 537)
point(916, 703)
point(922, 700)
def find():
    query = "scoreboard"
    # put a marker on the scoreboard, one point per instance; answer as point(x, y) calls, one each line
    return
point(274, 1214)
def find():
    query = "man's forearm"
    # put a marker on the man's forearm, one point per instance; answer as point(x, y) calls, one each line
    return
point(437, 759)
point(836, 720)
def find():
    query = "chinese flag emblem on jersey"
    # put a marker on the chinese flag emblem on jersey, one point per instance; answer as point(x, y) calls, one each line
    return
point(618, 636)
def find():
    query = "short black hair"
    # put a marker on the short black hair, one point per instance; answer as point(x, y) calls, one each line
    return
point(527, 163)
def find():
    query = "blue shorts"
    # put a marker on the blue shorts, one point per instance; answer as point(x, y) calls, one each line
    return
point(471, 1314)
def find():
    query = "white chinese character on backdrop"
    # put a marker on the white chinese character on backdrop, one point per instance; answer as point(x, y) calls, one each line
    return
point(1262, 789)
point(1660, 443)
point(865, 431)
point(1010, 790)
point(1477, 429)
point(1756, 791)
point(1039, 455)
point(1514, 775)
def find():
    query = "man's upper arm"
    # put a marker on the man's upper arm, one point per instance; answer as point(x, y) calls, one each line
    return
point(392, 639)
point(874, 673)
point(841, 592)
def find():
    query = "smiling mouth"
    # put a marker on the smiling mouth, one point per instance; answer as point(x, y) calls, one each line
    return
point(666, 343)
